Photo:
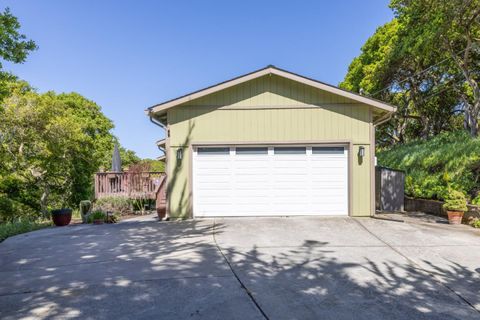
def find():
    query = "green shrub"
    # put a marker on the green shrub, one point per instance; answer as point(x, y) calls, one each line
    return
point(476, 223)
point(455, 201)
point(121, 205)
point(142, 203)
point(96, 215)
point(476, 200)
point(112, 218)
point(14, 211)
point(13, 228)
point(448, 160)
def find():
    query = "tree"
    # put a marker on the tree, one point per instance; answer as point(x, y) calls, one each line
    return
point(50, 147)
point(426, 61)
point(451, 27)
point(14, 46)
point(388, 71)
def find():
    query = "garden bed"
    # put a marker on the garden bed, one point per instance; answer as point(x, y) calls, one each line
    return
point(435, 207)
point(13, 228)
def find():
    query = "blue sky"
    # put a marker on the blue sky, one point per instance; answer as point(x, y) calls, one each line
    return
point(129, 55)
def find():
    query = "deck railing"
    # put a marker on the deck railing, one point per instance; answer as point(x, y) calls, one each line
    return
point(128, 184)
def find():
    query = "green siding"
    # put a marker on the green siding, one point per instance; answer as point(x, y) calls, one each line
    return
point(268, 109)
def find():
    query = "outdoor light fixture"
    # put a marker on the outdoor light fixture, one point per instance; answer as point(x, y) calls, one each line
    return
point(179, 154)
point(361, 152)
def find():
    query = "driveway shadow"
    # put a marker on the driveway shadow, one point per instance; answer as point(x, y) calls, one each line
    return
point(174, 270)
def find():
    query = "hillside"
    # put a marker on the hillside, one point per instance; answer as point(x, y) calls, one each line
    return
point(431, 165)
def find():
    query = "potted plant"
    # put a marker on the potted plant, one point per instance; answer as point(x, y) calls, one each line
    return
point(97, 217)
point(61, 217)
point(455, 205)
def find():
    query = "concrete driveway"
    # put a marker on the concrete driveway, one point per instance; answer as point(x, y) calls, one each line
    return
point(274, 268)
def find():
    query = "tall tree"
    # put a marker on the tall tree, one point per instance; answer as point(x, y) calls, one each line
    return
point(50, 147)
point(14, 46)
point(387, 70)
point(451, 27)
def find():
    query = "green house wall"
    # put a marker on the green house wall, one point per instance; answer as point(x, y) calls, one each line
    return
point(268, 109)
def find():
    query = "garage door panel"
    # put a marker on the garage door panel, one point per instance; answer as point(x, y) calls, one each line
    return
point(254, 195)
point(327, 169)
point(290, 195)
point(253, 167)
point(269, 184)
point(251, 179)
point(288, 163)
point(214, 181)
point(327, 192)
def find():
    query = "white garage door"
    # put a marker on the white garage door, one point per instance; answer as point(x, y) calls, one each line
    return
point(270, 181)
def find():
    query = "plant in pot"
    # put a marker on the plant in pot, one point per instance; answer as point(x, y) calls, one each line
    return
point(455, 205)
point(85, 209)
point(97, 217)
point(61, 217)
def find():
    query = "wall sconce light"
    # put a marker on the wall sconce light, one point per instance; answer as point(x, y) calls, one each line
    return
point(179, 154)
point(361, 152)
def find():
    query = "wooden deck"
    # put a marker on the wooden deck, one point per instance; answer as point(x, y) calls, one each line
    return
point(132, 185)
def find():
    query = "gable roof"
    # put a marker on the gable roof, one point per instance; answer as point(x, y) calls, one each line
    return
point(266, 71)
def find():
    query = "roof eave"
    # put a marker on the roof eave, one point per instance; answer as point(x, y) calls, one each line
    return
point(265, 71)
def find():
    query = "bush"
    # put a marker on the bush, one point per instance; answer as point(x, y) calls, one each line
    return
point(13, 228)
point(432, 166)
point(14, 211)
point(476, 201)
point(476, 223)
point(96, 215)
point(112, 218)
point(142, 203)
point(455, 201)
point(121, 205)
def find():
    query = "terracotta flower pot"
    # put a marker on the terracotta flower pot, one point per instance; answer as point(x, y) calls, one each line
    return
point(455, 217)
point(98, 221)
point(161, 212)
point(62, 217)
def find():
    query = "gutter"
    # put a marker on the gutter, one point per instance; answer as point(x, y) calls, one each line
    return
point(385, 119)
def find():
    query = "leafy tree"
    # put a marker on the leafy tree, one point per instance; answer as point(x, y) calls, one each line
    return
point(14, 46)
point(151, 165)
point(50, 147)
point(407, 63)
point(451, 27)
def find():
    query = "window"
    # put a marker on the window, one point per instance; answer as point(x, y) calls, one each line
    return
point(251, 150)
point(290, 150)
point(327, 150)
point(213, 151)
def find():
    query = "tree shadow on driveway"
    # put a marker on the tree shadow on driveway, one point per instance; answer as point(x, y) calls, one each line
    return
point(174, 270)
point(320, 282)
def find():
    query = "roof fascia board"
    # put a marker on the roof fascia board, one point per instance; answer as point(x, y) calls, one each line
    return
point(270, 70)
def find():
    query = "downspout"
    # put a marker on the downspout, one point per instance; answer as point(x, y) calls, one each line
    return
point(382, 120)
point(158, 123)
point(161, 125)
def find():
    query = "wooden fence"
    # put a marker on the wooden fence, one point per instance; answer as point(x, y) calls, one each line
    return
point(132, 185)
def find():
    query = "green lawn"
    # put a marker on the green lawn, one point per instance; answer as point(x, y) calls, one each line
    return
point(14, 228)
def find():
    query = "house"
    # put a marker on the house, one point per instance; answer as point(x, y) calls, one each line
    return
point(270, 143)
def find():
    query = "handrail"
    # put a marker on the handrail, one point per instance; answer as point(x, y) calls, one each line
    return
point(128, 184)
